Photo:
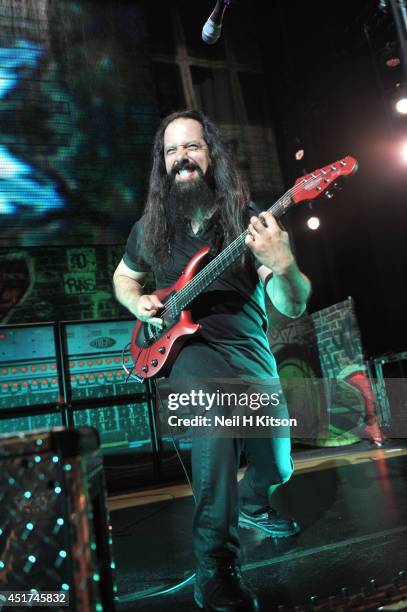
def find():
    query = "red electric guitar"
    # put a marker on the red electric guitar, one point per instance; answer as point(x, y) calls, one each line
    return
point(154, 350)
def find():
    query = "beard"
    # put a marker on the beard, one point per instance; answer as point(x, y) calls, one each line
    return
point(188, 196)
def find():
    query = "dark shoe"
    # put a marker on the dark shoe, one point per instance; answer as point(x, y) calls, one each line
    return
point(270, 522)
point(221, 589)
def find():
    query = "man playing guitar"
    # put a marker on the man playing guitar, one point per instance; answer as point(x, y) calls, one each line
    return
point(196, 198)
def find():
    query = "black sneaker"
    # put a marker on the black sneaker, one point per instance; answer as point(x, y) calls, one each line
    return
point(270, 522)
point(221, 589)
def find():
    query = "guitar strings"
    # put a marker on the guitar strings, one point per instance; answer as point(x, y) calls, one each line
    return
point(196, 284)
point(276, 209)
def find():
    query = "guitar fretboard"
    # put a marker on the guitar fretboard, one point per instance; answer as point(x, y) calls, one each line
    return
point(180, 300)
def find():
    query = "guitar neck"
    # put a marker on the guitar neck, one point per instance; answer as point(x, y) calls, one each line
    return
point(224, 260)
point(306, 188)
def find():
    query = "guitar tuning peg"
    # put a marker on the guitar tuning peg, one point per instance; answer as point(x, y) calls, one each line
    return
point(329, 195)
point(337, 186)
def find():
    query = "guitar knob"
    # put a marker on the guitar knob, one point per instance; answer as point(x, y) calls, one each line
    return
point(154, 362)
point(144, 368)
point(161, 350)
point(329, 195)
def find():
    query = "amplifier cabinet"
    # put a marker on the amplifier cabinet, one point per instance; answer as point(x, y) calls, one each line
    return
point(54, 526)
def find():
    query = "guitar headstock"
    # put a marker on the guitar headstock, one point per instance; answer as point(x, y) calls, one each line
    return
point(312, 185)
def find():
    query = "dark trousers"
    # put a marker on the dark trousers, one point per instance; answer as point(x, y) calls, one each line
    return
point(215, 462)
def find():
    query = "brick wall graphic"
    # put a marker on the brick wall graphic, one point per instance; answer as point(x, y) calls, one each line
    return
point(325, 350)
point(293, 344)
point(344, 367)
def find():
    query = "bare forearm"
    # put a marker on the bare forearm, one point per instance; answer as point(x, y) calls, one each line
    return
point(290, 291)
point(128, 291)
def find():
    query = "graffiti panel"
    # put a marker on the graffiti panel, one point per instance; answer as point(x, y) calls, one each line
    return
point(326, 346)
point(52, 283)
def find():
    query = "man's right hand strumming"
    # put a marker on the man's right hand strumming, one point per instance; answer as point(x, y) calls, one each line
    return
point(147, 307)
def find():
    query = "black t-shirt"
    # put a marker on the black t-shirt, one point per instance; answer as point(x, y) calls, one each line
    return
point(231, 310)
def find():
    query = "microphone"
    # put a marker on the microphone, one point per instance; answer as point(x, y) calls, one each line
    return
point(213, 27)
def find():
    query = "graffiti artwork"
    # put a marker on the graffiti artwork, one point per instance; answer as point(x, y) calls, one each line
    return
point(321, 363)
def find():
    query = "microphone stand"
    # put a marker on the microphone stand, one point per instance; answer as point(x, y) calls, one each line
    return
point(219, 11)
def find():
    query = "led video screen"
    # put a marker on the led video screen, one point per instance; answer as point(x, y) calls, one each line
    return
point(77, 120)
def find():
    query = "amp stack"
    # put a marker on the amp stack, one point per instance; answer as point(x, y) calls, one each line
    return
point(71, 374)
point(55, 544)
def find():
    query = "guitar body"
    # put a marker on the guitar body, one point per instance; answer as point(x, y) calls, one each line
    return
point(154, 350)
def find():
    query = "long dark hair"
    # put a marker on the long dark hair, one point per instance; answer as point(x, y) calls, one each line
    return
point(230, 195)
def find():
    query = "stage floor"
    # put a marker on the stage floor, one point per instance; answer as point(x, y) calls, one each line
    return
point(351, 505)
